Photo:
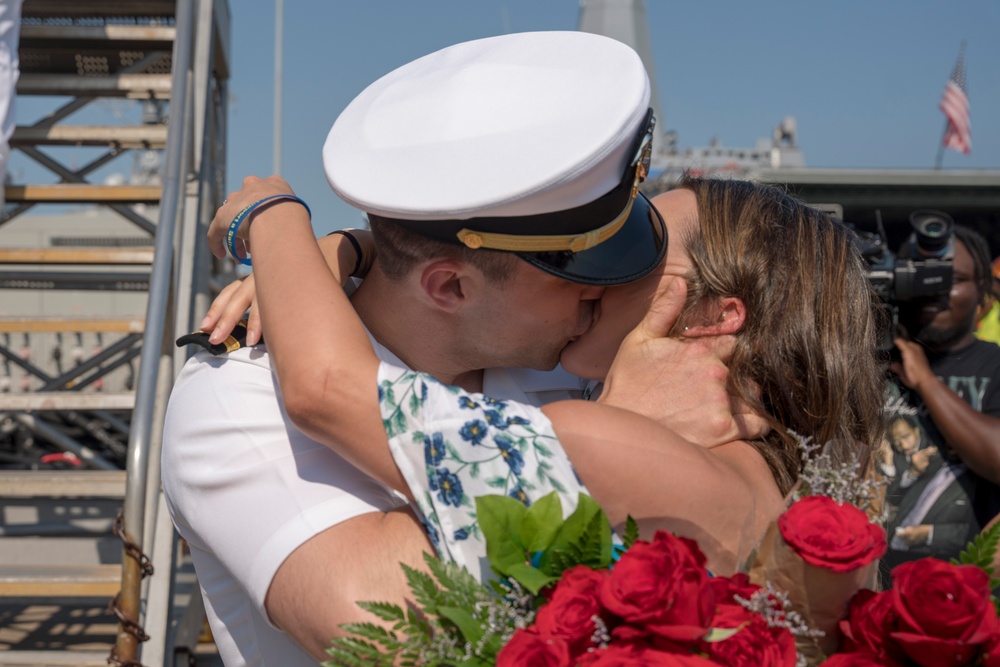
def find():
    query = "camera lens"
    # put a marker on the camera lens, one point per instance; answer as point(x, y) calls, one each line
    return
point(933, 232)
point(933, 228)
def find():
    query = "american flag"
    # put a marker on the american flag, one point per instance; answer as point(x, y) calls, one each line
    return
point(955, 105)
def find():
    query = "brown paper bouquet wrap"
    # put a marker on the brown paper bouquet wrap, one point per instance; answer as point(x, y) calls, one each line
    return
point(820, 553)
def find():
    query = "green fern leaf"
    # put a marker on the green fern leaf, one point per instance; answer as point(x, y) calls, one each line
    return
point(631, 532)
point(352, 652)
point(384, 610)
point(425, 591)
point(372, 632)
point(982, 550)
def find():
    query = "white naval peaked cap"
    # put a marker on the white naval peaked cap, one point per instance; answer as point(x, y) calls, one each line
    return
point(499, 132)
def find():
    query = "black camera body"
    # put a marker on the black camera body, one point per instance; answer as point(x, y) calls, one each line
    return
point(919, 272)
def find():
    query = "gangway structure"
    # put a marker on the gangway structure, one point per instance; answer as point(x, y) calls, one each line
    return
point(82, 518)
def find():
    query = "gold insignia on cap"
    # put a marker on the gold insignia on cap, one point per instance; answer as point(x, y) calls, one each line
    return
point(553, 243)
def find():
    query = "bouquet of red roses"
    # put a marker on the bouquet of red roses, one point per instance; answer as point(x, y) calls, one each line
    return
point(562, 598)
point(658, 605)
point(823, 551)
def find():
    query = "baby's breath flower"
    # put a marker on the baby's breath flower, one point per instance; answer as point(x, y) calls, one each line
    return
point(775, 608)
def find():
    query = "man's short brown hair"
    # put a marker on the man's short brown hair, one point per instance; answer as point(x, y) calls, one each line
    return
point(400, 250)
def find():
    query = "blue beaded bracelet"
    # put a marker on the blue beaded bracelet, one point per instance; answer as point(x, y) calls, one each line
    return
point(234, 226)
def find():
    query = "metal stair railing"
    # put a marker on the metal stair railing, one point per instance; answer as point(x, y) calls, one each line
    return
point(193, 137)
point(179, 270)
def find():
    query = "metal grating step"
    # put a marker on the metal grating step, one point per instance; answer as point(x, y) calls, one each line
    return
point(104, 10)
point(133, 86)
point(62, 483)
point(119, 136)
point(59, 325)
point(76, 255)
point(73, 193)
point(54, 658)
point(155, 37)
point(59, 581)
point(67, 400)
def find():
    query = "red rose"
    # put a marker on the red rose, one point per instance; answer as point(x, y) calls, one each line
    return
point(529, 649)
point(852, 660)
point(827, 534)
point(636, 656)
point(570, 612)
point(754, 645)
point(945, 616)
point(661, 586)
point(728, 588)
point(870, 619)
point(991, 652)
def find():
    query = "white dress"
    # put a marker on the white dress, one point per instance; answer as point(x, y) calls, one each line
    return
point(453, 446)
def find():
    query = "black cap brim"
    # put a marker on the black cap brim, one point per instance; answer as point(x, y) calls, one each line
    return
point(631, 253)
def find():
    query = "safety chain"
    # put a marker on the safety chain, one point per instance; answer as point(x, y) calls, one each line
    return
point(131, 548)
point(133, 551)
point(128, 625)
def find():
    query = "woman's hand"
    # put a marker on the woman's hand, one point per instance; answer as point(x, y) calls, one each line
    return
point(254, 189)
point(679, 382)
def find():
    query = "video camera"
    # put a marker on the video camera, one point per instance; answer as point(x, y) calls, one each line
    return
point(920, 271)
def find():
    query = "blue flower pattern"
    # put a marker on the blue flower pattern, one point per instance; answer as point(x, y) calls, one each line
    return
point(453, 446)
point(448, 486)
point(433, 449)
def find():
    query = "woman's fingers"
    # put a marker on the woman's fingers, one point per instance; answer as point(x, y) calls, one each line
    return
point(229, 308)
point(215, 311)
point(253, 322)
point(254, 189)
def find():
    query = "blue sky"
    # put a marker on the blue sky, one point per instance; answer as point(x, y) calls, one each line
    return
point(862, 77)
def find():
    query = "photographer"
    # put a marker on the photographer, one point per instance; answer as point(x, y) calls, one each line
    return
point(952, 380)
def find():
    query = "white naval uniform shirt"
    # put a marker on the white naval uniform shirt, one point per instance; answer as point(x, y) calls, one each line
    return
point(246, 488)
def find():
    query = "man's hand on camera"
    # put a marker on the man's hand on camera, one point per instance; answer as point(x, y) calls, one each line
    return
point(913, 369)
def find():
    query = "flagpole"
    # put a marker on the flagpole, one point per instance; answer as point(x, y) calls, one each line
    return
point(940, 155)
point(279, 50)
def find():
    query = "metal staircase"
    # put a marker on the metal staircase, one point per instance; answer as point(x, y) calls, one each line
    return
point(87, 320)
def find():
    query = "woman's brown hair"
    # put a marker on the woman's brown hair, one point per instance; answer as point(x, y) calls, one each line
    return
point(806, 356)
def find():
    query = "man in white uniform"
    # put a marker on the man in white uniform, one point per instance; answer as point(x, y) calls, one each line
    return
point(500, 178)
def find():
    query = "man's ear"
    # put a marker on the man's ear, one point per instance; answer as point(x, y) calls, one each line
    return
point(445, 283)
point(725, 316)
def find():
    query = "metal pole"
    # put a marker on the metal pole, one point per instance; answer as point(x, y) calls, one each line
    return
point(279, 29)
point(940, 153)
point(126, 646)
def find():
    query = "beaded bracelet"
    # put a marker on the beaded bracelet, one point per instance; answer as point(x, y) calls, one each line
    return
point(234, 226)
point(358, 253)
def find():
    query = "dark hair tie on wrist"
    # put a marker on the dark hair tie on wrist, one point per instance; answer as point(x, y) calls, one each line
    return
point(354, 244)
